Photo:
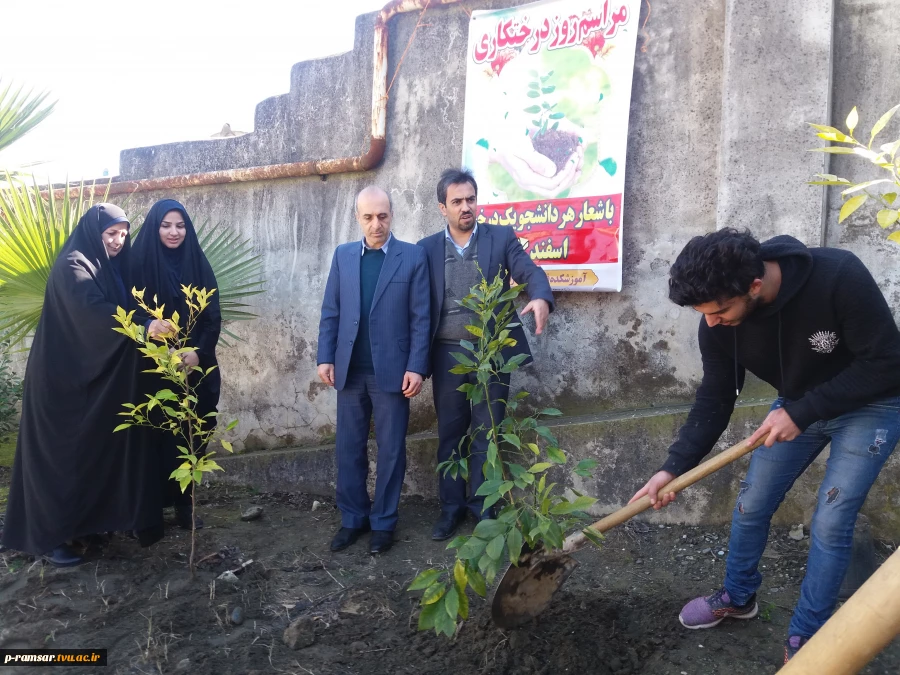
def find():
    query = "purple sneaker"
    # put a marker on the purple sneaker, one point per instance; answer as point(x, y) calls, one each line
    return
point(793, 645)
point(709, 611)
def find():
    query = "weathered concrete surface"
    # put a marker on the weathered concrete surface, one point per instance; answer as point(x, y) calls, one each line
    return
point(777, 78)
point(717, 137)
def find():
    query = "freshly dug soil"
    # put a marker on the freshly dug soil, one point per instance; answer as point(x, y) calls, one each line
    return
point(555, 144)
point(616, 615)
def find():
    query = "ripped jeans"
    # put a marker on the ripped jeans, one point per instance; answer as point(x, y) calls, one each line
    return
point(861, 442)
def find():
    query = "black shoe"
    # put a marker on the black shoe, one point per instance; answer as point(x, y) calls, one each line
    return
point(63, 556)
point(381, 541)
point(347, 536)
point(447, 525)
point(183, 518)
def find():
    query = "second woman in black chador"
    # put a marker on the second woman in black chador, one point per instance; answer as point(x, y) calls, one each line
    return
point(167, 256)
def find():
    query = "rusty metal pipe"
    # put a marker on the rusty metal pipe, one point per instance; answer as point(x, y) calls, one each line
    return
point(364, 162)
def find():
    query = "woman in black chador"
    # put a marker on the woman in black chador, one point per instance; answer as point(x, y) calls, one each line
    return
point(167, 256)
point(73, 477)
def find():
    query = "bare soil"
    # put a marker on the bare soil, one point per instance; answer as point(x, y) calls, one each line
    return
point(616, 615)
point(555, 144)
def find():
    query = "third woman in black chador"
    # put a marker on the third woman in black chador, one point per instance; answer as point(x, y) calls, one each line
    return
point(167, 256)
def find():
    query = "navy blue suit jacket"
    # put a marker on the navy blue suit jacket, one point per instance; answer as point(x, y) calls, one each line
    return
point(498, 249)
point(398, 322)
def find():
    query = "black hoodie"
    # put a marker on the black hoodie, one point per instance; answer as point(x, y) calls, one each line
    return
point(828, 344)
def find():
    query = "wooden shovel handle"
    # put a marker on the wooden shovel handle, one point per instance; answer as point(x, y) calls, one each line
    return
point(577, 540)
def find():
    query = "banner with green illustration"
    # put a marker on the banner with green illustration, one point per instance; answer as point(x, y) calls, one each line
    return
point(548, 91)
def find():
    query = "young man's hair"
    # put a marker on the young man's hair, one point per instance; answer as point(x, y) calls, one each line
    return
point(715, 267)
point(454, 177)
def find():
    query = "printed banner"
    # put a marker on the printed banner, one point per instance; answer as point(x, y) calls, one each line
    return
point(548, 91)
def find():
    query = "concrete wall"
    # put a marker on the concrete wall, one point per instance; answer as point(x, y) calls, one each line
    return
point(717, 137)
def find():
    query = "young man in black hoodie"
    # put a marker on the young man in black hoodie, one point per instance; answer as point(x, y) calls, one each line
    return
point(814, 325)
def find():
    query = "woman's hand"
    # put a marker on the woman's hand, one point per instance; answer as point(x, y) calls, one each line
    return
point(189, 361)
point(159, 328)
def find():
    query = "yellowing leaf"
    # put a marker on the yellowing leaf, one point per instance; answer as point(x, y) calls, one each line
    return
point(852, 120)
point(882, 123)
point(851, 205)
point(894, 237)
point(887, 217)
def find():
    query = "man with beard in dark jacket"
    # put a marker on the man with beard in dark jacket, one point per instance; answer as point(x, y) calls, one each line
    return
point(812, 323)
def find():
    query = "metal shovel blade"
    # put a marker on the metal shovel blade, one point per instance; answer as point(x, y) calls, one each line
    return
point(526, 591)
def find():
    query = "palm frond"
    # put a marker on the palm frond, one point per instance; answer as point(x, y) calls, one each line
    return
point(33, 229)
point(238, 271)
point(20, 112)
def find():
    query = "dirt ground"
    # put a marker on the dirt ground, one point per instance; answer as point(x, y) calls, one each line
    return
point(616, 615)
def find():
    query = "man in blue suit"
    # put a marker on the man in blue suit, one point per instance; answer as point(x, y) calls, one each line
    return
point(373, 348)
point(455, 255)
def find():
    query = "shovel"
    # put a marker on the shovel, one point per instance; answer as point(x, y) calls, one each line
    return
point(527, 589)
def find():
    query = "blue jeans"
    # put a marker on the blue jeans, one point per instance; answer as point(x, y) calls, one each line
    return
point(861, 442)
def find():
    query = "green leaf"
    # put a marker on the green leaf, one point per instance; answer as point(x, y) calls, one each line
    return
point(887, 217)
point(556, 455)
point(483, 143)
point(882, 123)
point(533, 94)
point(495, 547)
point(424, 580)
point(534, 85)
point(852, 120)
point(451, 603)
point(556, 116)
point(488, 529)
point(546, 434)
point(227, 445)
point(121, 427)
point(442, 622)
point(580, 504)
point(539, 467)
point(851, 205)
point(472, 549)
point(512, 439)
point(434, 593)
point(532, 109)
point(551, 412)
point(488, 487)
point(549, 89)
point(593, 536)
point(490, 500)
point(514, 541)
point(428, 615)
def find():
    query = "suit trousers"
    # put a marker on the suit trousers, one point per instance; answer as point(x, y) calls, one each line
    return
point(356, 402)
point(456, 417)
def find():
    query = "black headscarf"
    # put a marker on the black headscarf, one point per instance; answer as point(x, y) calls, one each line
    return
point(72, 475)
point(162, 272)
